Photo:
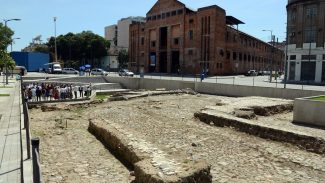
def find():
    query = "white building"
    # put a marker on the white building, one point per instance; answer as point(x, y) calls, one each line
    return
point(118, 35)
point(306, 41)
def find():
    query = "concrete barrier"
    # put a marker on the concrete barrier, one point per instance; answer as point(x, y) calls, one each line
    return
point(309, 111)
point(243, 91)
point(150, 84)
point(213, 88)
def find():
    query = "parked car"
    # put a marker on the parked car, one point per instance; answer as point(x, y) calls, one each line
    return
point(69, 71)
point(263, 73)
point(251, 73)
point(125, 72)
point(98, 72)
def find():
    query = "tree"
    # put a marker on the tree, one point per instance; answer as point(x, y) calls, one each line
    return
point(5, 37)
point(5, 40)
point(123, 58)
point(78, 49)
point(6, 58)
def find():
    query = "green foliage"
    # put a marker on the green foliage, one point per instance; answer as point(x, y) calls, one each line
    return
point(5, 36)
point(42, 48)
point(5, 40)
point(319, 98)
point(123, 58)
point(79, 49)
point(5, 58)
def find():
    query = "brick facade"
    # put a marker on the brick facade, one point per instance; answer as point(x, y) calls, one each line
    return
point(177, 39)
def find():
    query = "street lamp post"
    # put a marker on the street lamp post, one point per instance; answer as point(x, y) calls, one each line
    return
point(272, 54)
point(12, 41)
point(8, 20)
point(56, 54)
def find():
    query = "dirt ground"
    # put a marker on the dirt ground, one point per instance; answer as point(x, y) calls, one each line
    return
point(72, 154)
point(167, 123)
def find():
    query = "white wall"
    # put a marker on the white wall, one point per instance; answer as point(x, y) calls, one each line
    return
point(319, 51)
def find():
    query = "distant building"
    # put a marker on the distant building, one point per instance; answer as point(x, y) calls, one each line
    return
point(177, 39)
point(111, 35)
point(118, 35)
point(306, 41)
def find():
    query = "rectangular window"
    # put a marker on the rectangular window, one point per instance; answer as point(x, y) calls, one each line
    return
point(292, 57)
point(168, 14)
point(173, 13)
point(311, 11)
point(324, 57)
point(158, 17)
point(234, 56)
point(240, 57)
point(190, 52)
point(176, 41)
point(163, 15)
point(154, 18)
point(227, 35)
point(190, 34)
point(179, 12)
point(191, 21)
point(153, 43)
point(310, 35)
point(148, 18)
point(235, 38)
point(142, 40)
point(308, 57)
point(228, 55)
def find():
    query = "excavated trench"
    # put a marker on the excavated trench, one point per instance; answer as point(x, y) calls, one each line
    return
point(141, 163)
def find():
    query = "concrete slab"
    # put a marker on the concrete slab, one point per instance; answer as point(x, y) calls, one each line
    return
point(10, 144)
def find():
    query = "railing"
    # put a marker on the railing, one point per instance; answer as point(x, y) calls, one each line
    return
point(35, 142)
point(36, 163)
point(255, 81)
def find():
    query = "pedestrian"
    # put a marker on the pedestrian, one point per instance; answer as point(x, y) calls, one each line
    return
point(81, 91)
point(75, 91)
point(38, 93)
point(90, 89)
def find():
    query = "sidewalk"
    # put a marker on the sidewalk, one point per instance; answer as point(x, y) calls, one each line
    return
point(10, 118)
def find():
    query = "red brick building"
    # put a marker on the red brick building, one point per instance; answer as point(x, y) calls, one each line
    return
point(176, 38)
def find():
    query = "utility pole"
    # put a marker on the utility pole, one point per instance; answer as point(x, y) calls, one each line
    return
point(272, 53)
point(56, 53)
point(8, 20)
point(286, 61)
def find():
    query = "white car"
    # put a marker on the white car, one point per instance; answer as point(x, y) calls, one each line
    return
point(69, 71)
point(99, 72)
point(125, 72)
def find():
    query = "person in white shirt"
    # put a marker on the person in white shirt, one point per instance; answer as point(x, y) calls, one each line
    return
point(75, 91)
point(33, 94)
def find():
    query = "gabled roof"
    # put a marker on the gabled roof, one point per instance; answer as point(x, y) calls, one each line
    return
point(157, 3)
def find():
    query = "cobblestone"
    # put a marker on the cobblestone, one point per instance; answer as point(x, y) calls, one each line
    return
point(234, 156)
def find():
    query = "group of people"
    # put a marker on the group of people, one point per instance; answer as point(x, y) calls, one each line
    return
point(36, 92)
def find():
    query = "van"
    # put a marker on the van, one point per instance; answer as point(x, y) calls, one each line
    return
point(54, 68)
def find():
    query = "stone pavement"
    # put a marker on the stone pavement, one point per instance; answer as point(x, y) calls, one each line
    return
point(10, 149)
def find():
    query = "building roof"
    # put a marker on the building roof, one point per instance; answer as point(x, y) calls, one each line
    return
point(230, 20)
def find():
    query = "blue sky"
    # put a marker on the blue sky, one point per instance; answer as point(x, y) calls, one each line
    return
point(78, 15)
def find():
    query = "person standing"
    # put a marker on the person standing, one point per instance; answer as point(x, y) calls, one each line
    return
point(38, 93)
point(75, 91)
point(90, 89)
point(81, 91)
